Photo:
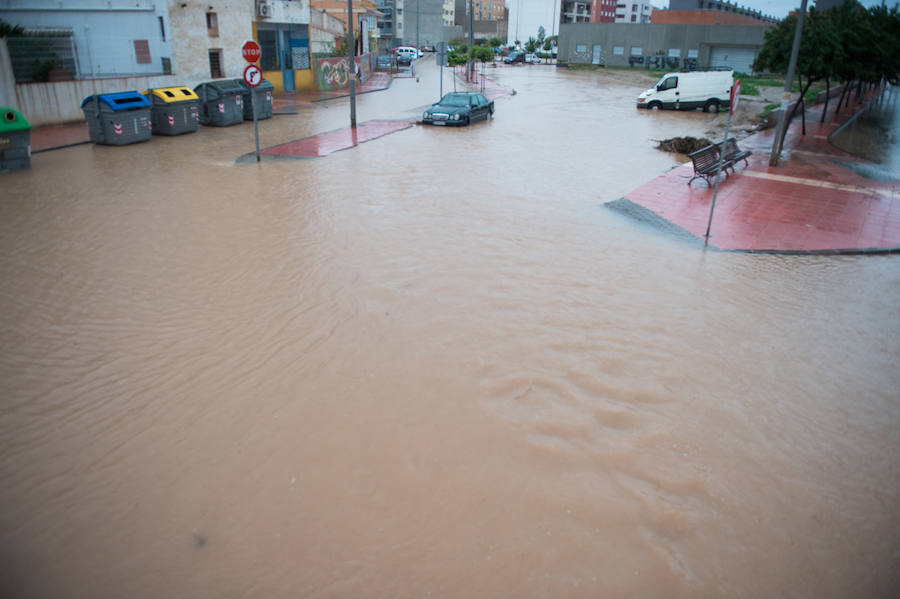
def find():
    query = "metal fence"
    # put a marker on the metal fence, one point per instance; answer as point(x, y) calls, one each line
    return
point(43, 55)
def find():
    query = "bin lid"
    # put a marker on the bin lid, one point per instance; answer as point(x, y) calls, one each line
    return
point(221, 87)
point(120, 100)
point(264, 85)
point(12, 120)
point(173, 94)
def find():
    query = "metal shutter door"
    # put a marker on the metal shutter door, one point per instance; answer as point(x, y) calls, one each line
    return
point(738, 59)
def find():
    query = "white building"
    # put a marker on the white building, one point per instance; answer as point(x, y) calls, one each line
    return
point(449, 13)
point(633, 11)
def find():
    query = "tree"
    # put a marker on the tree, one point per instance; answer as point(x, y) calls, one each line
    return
point(541, 34)
point(482, 54)
point(531, 44)
point(7, 30)
point(495, 42)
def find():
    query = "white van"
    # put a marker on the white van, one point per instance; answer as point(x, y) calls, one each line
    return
point(688, 90)
point(412, 53)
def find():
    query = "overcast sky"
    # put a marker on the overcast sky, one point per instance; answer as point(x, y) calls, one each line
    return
point(778, 8)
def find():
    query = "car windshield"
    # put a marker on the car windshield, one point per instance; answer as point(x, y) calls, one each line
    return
point(455, 100)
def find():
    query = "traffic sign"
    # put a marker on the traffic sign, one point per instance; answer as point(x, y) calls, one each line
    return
point(735, 94)
point(252, 75)
point(251, 51)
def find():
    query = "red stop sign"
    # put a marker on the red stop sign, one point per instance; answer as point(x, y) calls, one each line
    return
point(251, 51)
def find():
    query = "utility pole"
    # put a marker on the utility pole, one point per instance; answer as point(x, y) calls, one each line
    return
point(471, 65)
point(788, 86)
point(351, 51)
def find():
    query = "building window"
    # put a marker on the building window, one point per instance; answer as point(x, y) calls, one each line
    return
point(215, 64)
point(674, 53)
point(212, 24)
point(142, 51)
point(162, 28)
point(167, 66)
point(637, 51)
point(634, 8)
point(633, 18)
point(619, 50)
point(580, 48)
point(693, 53)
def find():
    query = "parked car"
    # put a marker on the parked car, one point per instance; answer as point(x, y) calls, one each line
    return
point(459, 108)
point(515, 57)
point(384, 61)
point(428, 48)
point(532, 59)
point(404, 59)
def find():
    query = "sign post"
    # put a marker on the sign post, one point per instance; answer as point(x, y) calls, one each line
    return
point(252, 77)
point(732, 105)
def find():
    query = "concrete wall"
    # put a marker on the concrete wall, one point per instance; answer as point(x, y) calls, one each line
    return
point(7, 80)
point(104, 31)
point(60, 101)
point(654, 40)
point(423, 23)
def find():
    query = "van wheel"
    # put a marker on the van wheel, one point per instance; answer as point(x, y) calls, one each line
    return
point(655, 105)
point(711, 106)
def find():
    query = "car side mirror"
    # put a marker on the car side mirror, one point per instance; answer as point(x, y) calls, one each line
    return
point(659, 88)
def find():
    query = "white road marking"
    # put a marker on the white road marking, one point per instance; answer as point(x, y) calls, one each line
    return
point(814, 183)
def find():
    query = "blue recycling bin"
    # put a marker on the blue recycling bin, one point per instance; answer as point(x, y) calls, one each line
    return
point(118, 119)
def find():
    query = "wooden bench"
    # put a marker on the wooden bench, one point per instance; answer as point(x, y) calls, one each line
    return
point(731, 153)
point(707, 163)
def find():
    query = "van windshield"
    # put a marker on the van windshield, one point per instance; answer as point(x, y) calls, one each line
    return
point(667, 83)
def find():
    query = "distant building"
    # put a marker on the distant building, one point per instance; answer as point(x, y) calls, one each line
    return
point(633, 11)
point(603, 11)
point(449, 13)
point(576, 11)
point(714, 9)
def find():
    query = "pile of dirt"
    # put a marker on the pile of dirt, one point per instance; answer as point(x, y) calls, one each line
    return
point(683, 145)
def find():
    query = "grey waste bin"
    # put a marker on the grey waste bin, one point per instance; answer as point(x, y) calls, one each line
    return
point(221, 103)
point(117, 119)
point(175, 110)
point(15, 140)
point(263, 99)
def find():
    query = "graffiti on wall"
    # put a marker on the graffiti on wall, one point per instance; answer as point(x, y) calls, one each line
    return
point(335, 73)
point(661, 61)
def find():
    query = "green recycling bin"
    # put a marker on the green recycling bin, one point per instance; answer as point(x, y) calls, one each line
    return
point(15, 140)
point(263, 99)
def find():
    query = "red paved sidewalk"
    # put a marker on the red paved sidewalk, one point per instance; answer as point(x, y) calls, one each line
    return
point(808, 203)
point(334, 141)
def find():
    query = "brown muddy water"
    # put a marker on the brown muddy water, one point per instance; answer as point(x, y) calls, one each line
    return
point(434, 365)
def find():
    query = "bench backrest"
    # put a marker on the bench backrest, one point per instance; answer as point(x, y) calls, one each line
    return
point(705, 157)
point(729, 147)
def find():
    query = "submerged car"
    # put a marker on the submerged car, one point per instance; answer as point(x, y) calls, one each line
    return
point(459, 108)
point(515, 57)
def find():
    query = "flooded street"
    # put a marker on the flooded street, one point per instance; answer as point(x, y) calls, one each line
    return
point(433, 365)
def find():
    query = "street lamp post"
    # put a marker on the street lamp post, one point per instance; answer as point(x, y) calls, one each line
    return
point(351, 52)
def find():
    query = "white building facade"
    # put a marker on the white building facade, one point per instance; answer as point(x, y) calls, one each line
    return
point(633, 11)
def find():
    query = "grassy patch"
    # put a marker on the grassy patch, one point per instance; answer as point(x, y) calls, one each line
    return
point(748, 89)
point(758, 81)
point(768, 110)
